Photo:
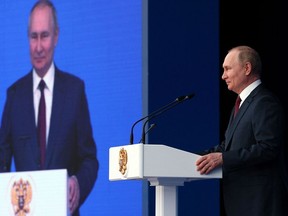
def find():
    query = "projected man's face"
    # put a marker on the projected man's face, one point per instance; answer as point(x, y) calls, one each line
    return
point(43, 37)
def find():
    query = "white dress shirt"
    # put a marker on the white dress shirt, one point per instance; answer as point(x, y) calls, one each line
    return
point(48, 92)
point(246, 92)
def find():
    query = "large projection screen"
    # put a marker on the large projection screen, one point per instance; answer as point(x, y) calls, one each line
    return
point(101, 42)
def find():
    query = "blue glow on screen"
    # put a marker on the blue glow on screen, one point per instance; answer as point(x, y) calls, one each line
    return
point(101, 42)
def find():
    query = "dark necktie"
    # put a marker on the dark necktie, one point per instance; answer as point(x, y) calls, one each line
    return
point(42, 123)
point(237, 105)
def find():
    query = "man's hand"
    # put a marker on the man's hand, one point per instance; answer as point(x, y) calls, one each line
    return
point(207, 163)
point(74, 194)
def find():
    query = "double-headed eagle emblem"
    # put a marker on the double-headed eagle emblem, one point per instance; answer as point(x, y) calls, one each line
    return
point(21, 196)
point(123, 159)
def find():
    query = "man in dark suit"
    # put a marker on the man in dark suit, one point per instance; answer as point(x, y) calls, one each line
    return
point(67, 129)
point(251, 155)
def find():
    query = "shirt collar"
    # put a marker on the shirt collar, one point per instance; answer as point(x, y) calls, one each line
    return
point(48, 78)
point(245, 93)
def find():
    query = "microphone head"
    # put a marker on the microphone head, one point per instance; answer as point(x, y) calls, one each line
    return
point(185, 97)
point(180, 98)
point(189, 96)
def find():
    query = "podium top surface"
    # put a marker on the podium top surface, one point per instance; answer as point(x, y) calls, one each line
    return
point(146, 161)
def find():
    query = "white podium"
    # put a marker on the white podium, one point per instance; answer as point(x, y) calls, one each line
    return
point(34, 193)
point(164, 167)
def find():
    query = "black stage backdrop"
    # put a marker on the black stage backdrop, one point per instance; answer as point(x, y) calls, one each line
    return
point(263, 26)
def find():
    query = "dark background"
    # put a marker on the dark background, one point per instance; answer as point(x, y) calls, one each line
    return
point(183, 58)
point(261, 25)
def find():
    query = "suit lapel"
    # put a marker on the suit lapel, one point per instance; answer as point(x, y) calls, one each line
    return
point(28, 113)
point(233, 123)
point(56, 113)
point(28, 100)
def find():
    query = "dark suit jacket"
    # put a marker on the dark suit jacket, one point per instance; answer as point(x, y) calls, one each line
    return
point(253, 165)
point(70, 143)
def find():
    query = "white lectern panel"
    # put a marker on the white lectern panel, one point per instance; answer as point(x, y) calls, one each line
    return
point(164, 167)
point(146, 161)
point(34, 193)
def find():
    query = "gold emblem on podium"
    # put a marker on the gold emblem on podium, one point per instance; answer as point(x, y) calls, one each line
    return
point(21, 196)
point(123, 159)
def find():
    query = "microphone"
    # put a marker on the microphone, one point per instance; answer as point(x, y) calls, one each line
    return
point(160, 110)
point(153, 113)
point(150, 128)
point(188, 97)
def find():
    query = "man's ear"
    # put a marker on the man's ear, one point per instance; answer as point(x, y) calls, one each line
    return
point(248, 68)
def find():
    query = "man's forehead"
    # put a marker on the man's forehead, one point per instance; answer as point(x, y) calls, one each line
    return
point(41, 25)
point(41, 16)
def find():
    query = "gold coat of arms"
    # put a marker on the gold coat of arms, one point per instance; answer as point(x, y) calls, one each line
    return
point(123, 159)
point(21, 196)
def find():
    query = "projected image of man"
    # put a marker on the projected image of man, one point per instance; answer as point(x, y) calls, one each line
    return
point(46, 121)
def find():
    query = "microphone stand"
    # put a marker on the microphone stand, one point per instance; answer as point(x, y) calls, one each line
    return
point(153, 115)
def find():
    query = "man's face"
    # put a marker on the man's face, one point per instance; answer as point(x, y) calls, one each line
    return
point(42, 39)
point(234, 73)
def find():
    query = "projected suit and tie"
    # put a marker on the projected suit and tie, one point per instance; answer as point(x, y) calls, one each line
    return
point(66, 122)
